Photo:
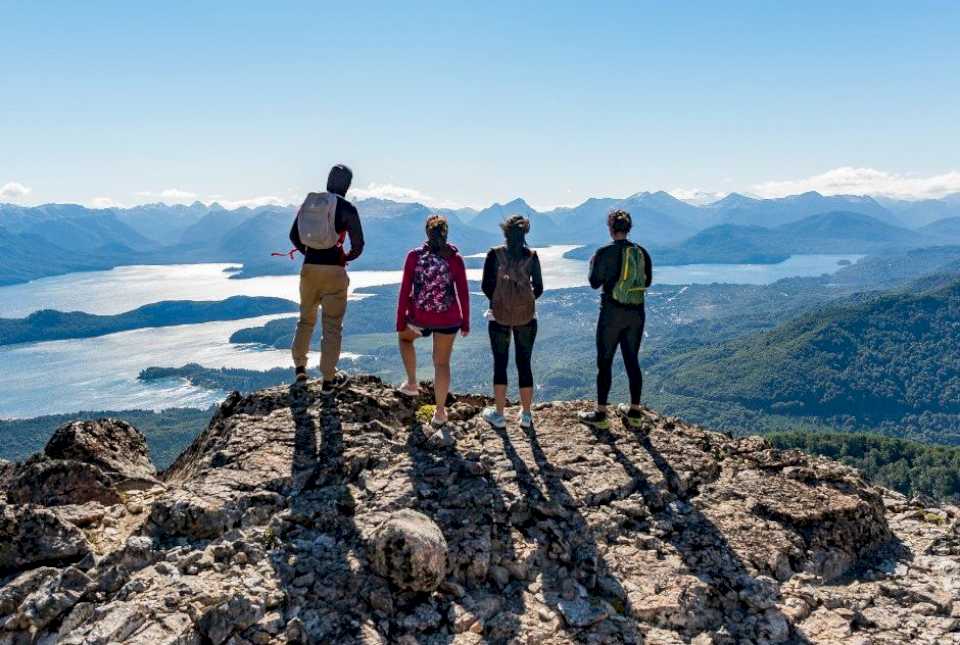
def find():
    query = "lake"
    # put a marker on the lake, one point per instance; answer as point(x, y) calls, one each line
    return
point(129, 287)
point(100, 373)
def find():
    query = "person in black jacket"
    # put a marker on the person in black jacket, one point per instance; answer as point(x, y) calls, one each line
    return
point(324, 281)
point(619, 325)
point(523, 263)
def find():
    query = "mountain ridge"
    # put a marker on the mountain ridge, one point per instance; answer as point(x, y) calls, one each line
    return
point(302, 517)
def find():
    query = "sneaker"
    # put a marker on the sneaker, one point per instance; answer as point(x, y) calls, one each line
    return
point(436, 422)
point(409, 389)
point(301, 374)
point(526, 420)
point(594, 418)
point(494, 418)
point(631, 416)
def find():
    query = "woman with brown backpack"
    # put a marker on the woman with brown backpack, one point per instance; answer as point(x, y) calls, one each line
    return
point(512, 280)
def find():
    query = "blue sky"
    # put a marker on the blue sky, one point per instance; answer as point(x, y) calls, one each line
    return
point(469, 103)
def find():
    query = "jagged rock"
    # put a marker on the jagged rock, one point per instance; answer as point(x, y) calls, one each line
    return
point(410, 550)
point(31, 536)
point(114, 446)
point(57, 482)
point(298, 516)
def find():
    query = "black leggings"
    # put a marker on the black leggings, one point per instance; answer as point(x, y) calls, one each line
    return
point(523, 336)
point(619, 327)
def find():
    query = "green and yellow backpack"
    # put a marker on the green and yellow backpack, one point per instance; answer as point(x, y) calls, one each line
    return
point(632, 285)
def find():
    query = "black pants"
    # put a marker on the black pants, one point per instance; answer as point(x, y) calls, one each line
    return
point(523, 337)
point(621, 327)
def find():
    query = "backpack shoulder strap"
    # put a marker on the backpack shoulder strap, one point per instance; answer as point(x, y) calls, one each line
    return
point(500, 252)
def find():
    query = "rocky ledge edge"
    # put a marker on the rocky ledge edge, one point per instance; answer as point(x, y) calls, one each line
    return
point(298, 516)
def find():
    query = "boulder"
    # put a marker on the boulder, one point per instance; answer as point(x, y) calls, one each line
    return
point(31, 536)
point(58, 482)
point(114, 446)
point(409, 549)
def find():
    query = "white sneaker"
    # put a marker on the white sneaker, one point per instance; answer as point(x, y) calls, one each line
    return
point(409, 389)
point(494, 418)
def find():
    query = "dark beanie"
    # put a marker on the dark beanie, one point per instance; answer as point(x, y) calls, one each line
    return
point(338, 181)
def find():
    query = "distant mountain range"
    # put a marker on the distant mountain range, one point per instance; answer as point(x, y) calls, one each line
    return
point(60, 238)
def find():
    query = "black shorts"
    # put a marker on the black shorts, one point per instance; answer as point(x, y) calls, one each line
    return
point(426, 331)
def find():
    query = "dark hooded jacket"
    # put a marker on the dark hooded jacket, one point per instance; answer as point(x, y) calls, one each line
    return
point(346, 220)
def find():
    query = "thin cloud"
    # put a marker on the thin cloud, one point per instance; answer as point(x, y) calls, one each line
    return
point(170, 195)
point(865, 181)
point(104, 202)
point(13, 190)
point(401, 194)
point(253, 202)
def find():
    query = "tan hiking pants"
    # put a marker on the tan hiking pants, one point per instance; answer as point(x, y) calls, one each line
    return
point(322, 286)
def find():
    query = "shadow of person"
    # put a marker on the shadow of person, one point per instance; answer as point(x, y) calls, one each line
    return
point(704, 550)
point(456, 491)
point(574, 578)
point(322, 533)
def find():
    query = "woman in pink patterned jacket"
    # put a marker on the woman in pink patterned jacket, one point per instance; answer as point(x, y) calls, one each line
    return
point(434, 301)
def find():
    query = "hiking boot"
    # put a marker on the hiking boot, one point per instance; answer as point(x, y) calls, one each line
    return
point(301, 375)
point(339, 380)
point(526, 420)
point(494, 418)
point(632, 417)
point(594, 418)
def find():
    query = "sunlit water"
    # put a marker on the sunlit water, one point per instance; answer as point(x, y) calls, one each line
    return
point(100, 373)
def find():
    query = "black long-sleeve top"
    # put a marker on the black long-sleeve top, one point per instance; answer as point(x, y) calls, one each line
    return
point(605, 266)
point(345, 219)
point(491, 268)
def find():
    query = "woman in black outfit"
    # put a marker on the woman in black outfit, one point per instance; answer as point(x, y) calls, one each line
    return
point(619, 326)
point(512, 280)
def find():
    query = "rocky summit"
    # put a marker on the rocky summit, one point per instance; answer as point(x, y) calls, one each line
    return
point(304, 517)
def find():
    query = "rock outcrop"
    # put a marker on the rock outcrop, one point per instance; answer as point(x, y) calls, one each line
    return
point(303, 517)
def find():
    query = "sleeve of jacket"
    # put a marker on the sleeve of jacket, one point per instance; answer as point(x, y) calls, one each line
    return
point(463, 290)
point(596, 269)
point(536, 276)
point(354, 231)
point(490, 268)
point(648, 266)
point(405, 286)
point(295, 235)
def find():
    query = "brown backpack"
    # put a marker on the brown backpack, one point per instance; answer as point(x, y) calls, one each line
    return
point(513, 301)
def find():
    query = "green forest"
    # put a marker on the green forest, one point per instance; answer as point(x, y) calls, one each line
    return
point(909, 467)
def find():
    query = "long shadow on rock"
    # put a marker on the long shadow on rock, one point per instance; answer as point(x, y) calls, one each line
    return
point(738, 596)
point(572, 577)
point(321, 537)
point(453, 487)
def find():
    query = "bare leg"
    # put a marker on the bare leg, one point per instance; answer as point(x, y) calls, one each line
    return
point(409, 354)
point(500, 397)
point(526, 398)
point(442, 349)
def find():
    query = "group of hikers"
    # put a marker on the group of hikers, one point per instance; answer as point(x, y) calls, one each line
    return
point(434, 301)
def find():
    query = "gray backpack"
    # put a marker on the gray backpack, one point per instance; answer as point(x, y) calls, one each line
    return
point(316, 221)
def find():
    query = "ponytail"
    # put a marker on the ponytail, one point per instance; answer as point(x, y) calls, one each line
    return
point(515, 231)
point(436, 229)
